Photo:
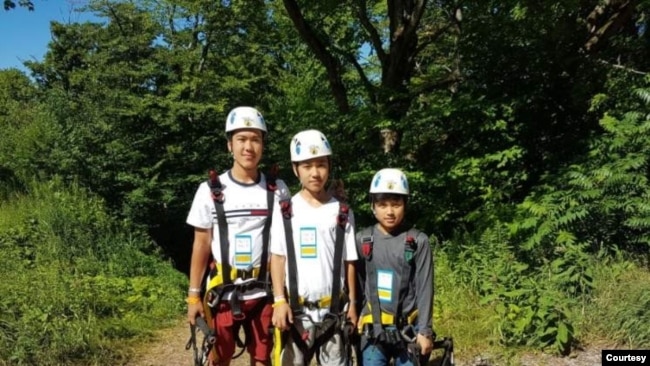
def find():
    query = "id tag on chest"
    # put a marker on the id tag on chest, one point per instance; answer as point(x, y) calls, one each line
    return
point(385, 285)
point(308, 242)
point(243, 251)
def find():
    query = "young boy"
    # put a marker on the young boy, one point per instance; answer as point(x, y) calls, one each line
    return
point(313, 253)
point(396, 272)
point(229, 216)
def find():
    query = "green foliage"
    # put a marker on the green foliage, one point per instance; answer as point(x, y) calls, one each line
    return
point(77, 285)
point(601, 199)
point(498, 119)
point(531, 304)
point(10, 4)
point(489, 301)
point(621, 302)
point(458, 311)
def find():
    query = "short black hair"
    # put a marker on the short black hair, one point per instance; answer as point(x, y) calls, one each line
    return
point(374, 197)
point(230, 133)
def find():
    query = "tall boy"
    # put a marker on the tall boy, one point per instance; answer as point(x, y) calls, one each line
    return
point(229, 216)
point(396, 271)
point(313, 254)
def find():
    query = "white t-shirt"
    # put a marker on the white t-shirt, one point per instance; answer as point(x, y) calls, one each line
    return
point(314, 235)
point(245, 210)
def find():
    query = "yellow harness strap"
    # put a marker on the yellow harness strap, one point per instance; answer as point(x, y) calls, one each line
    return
point(323, 302)
point(234, 274)
point(277, 347)
point(386, 319)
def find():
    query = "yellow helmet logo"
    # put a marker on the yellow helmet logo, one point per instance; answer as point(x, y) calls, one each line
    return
point(390, 185)
point(248, 122)
point(313, 149)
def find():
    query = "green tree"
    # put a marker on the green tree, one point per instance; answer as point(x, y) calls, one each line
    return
point(384, 44)
point(143, 98)
point(10, 4)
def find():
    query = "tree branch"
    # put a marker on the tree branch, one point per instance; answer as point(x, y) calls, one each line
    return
point(375, 39)
point(331, 64)
point(621, 12)
point(429, 37)
point(404, 18)
point(370, 88)
point(622, 67)
point(117, 19)
point(450, 81)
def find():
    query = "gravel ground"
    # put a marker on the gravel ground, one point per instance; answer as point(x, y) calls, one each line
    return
point(168, 349)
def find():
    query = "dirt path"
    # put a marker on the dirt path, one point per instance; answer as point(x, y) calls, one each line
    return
point(168, 349)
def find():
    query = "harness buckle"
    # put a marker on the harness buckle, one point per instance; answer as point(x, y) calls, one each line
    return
point(366, 247)
point(409, 250)
point(271, 183)
point(244, 275)
point(342, 218)
point(213, 298)
point(285, 208)
point(215, 187)
point(311, 305)
point(409, 334)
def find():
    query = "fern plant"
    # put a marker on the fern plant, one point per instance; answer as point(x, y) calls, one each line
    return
point(603, 199)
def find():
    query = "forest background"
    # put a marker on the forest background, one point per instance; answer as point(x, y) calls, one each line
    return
point(523, 126)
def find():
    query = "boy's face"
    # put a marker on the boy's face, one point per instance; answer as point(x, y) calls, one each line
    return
point(313, 173)
point(389, 212)
point(246, 146)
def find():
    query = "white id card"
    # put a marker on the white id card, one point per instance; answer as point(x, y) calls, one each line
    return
point(385, 285)
point(308, 242)
point(243, 251)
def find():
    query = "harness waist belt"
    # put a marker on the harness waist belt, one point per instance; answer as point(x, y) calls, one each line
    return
point(321, 303)
point(388, 319)
point(234, 274)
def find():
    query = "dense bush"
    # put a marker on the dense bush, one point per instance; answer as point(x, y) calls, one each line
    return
point(76, 284)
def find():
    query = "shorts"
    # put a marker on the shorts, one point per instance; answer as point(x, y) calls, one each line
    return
point(261, 340)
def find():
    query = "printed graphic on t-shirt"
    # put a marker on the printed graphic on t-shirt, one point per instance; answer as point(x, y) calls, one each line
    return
point(243, 251)
point(385, 285)
point(308, 242)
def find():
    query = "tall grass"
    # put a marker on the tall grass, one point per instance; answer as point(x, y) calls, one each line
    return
point(619, 312)
point(77, 286)
point(616, 311)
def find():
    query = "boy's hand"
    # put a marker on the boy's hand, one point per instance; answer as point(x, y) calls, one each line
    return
point(353, 318)
point(282, 316)
point(425, 343)
point(194, 311)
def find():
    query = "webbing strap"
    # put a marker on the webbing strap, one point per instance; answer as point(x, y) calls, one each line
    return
point(409, 245)
point(325, 330)
point(341, 221)
point(217, 198)
point(271, 187)
point(285, 206)
point(371, 274)
point(321, 333)
point(209, 339)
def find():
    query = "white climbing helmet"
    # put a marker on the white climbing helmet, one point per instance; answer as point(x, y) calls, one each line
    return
point(390, 181)
point(309, 144)
point(245, 117)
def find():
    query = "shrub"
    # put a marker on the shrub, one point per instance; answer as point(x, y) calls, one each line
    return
point(77, 285)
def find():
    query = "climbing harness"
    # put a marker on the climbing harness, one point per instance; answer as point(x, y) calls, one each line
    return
point(396, 330)
point(378, 319)
point(222, 275)
point(309, 338)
